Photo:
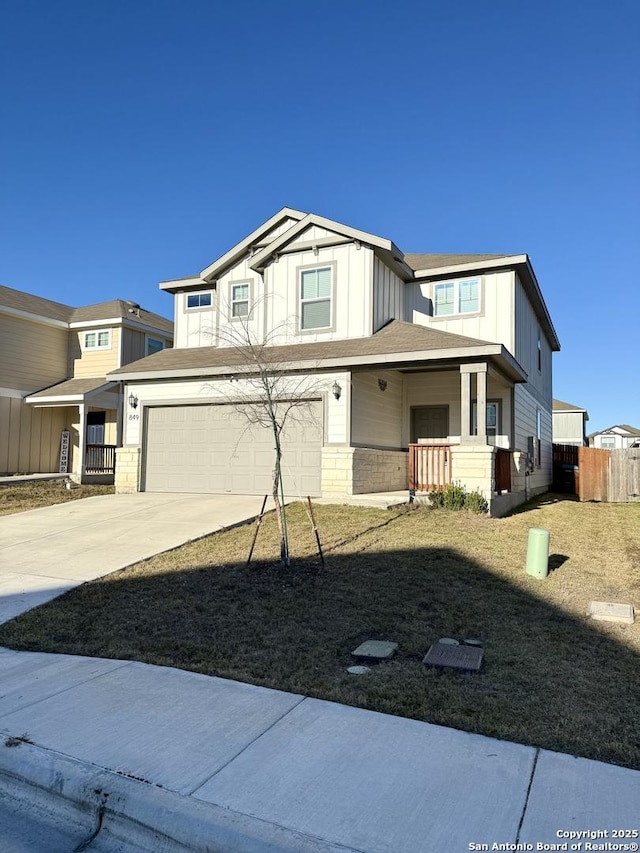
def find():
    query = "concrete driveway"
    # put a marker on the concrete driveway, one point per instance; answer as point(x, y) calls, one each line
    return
point(48, 551)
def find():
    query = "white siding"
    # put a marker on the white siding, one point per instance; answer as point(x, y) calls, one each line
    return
point(568, 428)
point(195, 327)
point(336, 421)
point(527, 329)
point(388, 295)
point(377, 415)
point(494, 321)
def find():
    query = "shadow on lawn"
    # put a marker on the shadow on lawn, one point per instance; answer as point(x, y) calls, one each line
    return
point(548, 679)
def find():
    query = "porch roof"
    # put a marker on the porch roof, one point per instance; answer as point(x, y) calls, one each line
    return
point(397, 345)
point(71, 391)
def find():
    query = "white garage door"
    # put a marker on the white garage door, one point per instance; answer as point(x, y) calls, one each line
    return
point(212, 449)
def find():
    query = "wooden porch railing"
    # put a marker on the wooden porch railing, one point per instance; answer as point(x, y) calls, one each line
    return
point(429, 466)
point(100, 459)
point(503, 470)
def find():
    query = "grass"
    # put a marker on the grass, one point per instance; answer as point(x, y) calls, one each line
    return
point(551, 677)
point(25, 496)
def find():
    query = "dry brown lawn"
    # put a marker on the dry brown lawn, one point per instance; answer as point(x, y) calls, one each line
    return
point(25, 496)
point(551, 676)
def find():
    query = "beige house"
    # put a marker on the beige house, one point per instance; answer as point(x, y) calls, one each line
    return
point(55, 399)
point(418, 370)
point(569, 424)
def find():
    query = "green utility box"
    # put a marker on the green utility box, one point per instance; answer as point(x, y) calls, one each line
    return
point(538, 552)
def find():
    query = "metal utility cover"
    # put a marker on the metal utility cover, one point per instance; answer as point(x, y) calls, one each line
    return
point(466, 658)
point(608, 612)
point(375, 650)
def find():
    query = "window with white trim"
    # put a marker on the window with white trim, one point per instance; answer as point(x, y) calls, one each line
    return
point(315, 298)
point(608, 442)
point(493, 419)
point(538, 455)
point(198, 300)
point(97, 340)
point(154, 345)
point(456, 297)
point(240, 299)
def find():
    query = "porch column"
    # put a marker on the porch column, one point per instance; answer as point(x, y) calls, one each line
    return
point(82, 441)
point(466, 390)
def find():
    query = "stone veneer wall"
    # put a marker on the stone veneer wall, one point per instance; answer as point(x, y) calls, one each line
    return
point(127, 470)
point(359, 470)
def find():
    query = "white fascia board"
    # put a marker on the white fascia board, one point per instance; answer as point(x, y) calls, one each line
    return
point(260, 259)
point(176, 284)
point(144, 327)
point(493, 350)
point(14, 393)
point(470, 267)
point(92, 324)
point(34, 318)
point(243, 246)
point(55, 401)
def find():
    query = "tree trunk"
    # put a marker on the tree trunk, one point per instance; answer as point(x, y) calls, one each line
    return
point(284, 545)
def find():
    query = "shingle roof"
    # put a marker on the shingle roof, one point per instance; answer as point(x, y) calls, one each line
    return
point(395, 337)
point(419, 261)
point(20, 301)
point(72, 387)
point(560, 406)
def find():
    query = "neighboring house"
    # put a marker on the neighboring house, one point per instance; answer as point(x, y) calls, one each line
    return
point(53, 365)
point(617, 437)
point(569, 424)
point(436, 363)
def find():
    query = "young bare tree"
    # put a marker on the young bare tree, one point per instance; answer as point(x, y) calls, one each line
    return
point(268, 395)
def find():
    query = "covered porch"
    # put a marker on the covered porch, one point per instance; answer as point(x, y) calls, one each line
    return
point(92, 426)
point(423, 427)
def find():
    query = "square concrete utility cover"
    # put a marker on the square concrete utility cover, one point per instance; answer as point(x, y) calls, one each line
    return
point(375, 650)
point(466, 658)
point(608, 612)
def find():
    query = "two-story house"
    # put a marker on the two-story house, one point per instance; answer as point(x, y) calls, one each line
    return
point(617, 437)
point(55, 398)
point(569, 424)
point(419, 370)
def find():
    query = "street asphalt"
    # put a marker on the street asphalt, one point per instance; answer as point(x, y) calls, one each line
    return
point(111, 755)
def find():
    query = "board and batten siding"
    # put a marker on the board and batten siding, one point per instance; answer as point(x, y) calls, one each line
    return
point(376, 419)
point(134, 345)
point(98, 362)
point(388, 295)
point(32, 355)
point(492, 323)
point(527, 328)
point(29, 437)
point(568, 428)
point(185, 392)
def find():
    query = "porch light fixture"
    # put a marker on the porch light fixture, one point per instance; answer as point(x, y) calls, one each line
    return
point(337, 390)
point(133, 400)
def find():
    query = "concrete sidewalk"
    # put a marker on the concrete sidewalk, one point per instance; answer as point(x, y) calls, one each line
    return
point(45, 552)
point(161, 759)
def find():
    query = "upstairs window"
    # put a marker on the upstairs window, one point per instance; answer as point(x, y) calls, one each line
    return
point(456, 297)
point(198, 300)
point(97, 340)
point(154, 345)
point(240, 299)
point(315, 298)
point(608, 442)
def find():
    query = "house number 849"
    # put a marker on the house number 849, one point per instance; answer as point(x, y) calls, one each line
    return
point(135, 417)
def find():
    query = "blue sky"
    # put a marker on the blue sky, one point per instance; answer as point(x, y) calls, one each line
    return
point(142, 139)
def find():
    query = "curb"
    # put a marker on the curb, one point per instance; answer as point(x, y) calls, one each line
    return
point(136, 816)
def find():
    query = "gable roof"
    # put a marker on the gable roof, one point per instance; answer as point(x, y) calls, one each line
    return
point(397, 343)
point(617, 429)
point(37, 306)
point(429, 262)
point(560, 406)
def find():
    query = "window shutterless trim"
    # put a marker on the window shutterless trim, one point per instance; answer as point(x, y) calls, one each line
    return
point(199, 295)
point(248, 282)
point(332, 265)
point(97, 335)
point(456, 301)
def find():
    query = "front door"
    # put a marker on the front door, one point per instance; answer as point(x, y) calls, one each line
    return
point(429, 422)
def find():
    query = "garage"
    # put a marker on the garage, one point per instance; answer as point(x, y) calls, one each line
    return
point(212, 449)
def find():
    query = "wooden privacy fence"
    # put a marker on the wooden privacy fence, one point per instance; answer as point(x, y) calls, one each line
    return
point(593, 474)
